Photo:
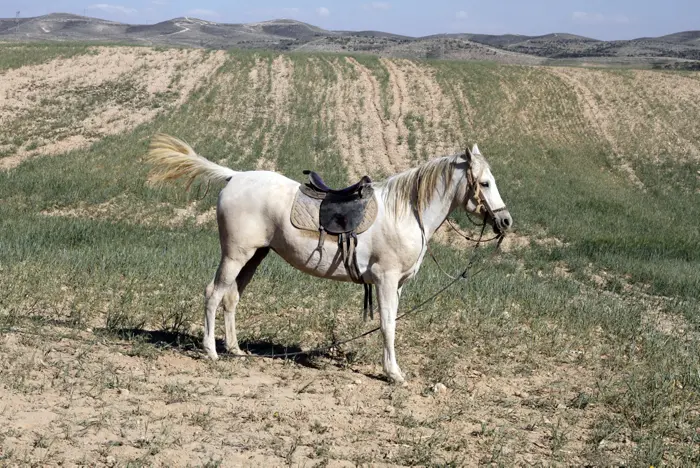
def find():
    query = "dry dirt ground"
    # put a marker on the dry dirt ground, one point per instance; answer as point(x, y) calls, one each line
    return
point(76, 397)
point(85, 397)
point(109, 91)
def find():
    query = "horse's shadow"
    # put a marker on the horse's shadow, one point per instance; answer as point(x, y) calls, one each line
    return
point(191, 346)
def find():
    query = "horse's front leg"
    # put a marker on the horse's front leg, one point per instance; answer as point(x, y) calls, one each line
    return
point(388, 297)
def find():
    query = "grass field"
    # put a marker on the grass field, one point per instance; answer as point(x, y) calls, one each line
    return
point(576, 345)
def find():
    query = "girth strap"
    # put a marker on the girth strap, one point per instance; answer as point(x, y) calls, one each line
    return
point(347, 242)
point(369, 307)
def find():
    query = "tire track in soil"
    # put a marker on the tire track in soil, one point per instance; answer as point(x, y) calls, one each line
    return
point(373, 122)
point(443, 136)
point(598, 119)
point(417, 93)
point(356, 117)
point(641, 113)
point(256, 106)
point(397, 110)
point(463, 122)
point(340, 113)
point(532, 113)
point(280, 76)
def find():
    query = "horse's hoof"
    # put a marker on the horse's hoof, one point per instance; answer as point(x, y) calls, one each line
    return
point(212, 355)
point(397, 380)
point(237, 352)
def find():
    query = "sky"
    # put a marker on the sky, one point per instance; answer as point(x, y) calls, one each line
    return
point(601, 19)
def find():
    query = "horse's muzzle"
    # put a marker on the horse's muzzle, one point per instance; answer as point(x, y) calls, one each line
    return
point(502, 221)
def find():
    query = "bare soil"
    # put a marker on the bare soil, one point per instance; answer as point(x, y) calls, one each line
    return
point(29, 94)
point(87, 398)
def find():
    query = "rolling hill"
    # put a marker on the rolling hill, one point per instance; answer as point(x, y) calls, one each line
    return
point(282, 34)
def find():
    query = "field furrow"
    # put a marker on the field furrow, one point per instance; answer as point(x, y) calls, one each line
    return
point(642, 115)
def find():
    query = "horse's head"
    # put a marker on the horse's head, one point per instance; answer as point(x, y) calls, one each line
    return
point(482, 195)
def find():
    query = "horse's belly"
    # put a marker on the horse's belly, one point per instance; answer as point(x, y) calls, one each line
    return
point(301, 249)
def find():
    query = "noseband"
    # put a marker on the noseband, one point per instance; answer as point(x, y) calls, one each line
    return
point(483, 206)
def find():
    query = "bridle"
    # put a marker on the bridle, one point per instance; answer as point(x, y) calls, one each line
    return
point(483, 207)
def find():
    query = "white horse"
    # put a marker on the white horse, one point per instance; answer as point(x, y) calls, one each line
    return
point(253, 215)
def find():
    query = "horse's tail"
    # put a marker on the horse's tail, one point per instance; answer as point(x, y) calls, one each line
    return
point(173, 158)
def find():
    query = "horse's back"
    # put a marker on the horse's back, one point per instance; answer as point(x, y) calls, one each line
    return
point(253, 203)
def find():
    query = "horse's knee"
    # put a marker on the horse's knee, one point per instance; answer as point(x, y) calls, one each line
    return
point(231, 299)
point(209, 290)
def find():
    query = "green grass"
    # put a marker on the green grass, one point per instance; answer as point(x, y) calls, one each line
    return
point(14, 55)
point(119, 274)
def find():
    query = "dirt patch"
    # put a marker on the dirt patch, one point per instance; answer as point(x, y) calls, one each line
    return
point(672, 325)
point(208, 217)
point(124, 209)
point(69, 103)
point(446, 235)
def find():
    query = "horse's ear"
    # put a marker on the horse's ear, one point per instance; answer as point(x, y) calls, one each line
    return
point(475, 149)
point(468, 156)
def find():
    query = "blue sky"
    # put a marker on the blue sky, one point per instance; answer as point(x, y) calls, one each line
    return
point(603, 19)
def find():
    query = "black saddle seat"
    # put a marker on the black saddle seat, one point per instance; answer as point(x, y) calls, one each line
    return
point(317, 183)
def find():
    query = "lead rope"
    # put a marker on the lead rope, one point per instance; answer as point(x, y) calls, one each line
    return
point(432, 255)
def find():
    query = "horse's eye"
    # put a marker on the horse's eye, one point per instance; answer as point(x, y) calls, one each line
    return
point(484, 184)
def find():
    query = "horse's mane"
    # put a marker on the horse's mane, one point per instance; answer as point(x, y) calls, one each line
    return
point(416, 187)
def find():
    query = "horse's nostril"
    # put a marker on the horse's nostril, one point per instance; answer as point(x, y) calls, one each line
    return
point(506, 222)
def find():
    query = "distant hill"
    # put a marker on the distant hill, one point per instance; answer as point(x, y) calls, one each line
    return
point(286, 34)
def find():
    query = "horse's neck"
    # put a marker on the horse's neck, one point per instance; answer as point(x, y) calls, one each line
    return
point(440, 207)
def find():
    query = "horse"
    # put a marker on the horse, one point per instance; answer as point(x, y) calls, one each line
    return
point(253, 217)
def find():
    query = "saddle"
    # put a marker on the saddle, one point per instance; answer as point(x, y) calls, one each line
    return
point(343, 212)
point(317, 183)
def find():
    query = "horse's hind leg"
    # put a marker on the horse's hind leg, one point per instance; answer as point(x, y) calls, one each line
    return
point(225, 279)
point(233, 295)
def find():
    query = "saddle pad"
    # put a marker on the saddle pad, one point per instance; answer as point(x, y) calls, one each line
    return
point(305, 213)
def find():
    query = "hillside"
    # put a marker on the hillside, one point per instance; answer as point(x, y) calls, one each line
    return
point(681, 49)
point(575, 345)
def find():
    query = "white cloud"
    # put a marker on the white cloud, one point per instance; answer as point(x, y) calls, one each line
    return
point(461, 15)
point(377, 6)
point(107, 8)
point(202, 12)
point(598, 18)
point(159, 2)
point(323, 11)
